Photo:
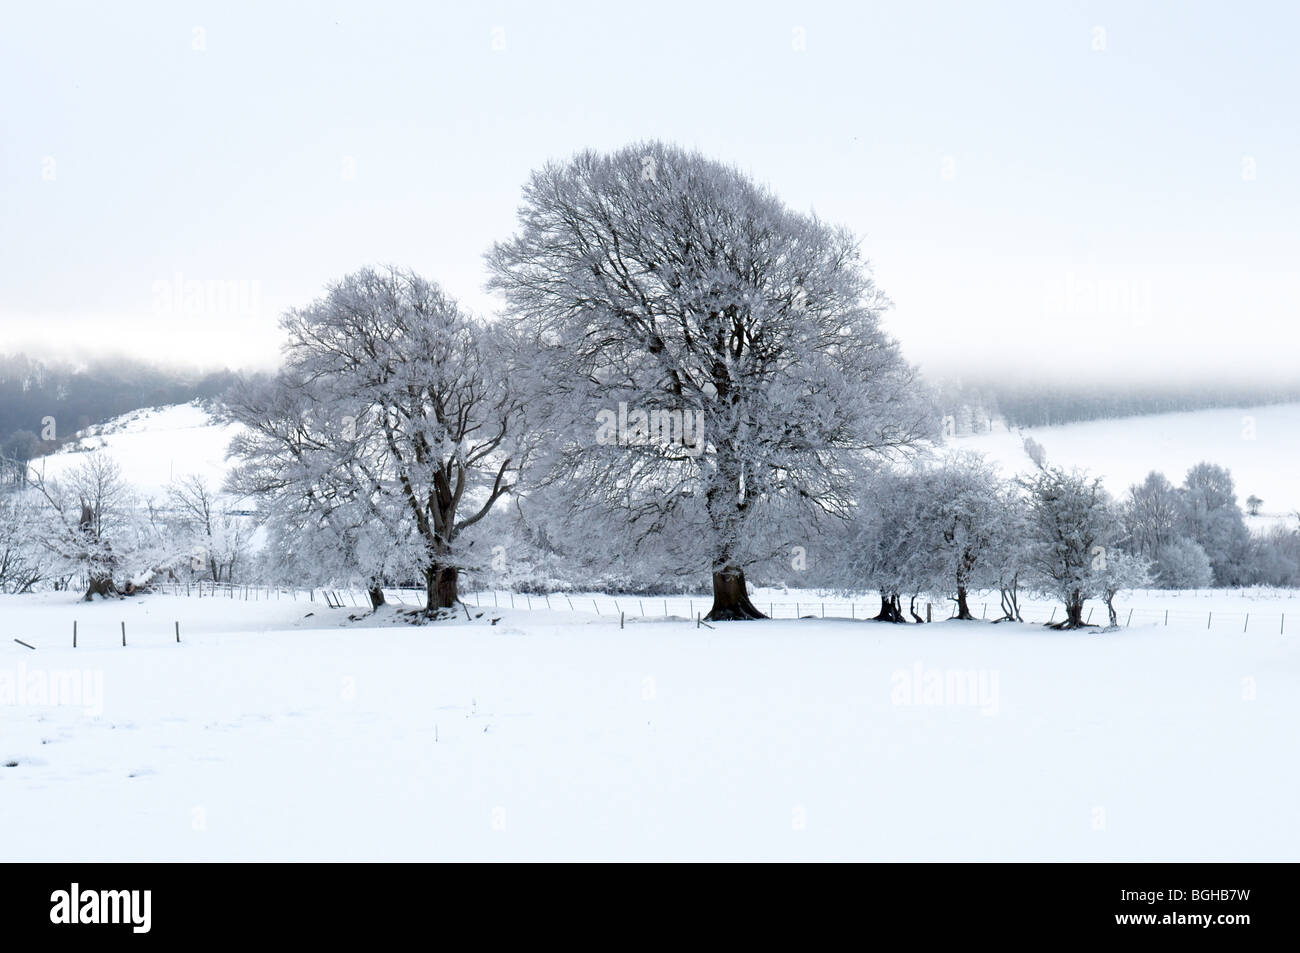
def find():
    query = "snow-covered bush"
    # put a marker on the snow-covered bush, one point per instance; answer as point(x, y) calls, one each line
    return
point(1182, 564)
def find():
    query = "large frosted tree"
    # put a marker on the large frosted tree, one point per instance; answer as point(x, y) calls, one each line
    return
point(709, 364)
point(389, 430)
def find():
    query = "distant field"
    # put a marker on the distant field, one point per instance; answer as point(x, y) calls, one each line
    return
point(1260, 445)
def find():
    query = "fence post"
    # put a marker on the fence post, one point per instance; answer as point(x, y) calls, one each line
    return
point(123, 635)
point(1282, 630)
point(1247, 624)
point(74, 633)
point(986, 611)
point(1208, 618)
point(1130, 619)
point(593, 602)
point(1089, 619)
point(1166, 617)
point(178, 633)
point(929, 608)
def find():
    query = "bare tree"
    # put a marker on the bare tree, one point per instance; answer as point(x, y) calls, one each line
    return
point(86, 511)
point(216, 537)
point(390, 423)
point(659, 287)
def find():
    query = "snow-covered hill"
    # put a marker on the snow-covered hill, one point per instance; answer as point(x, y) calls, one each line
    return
point(154, 446)
point(1260, 445)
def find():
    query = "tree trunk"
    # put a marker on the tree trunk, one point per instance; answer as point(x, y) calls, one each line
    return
point(441, 588)
point(731, 598)
point(891, 609)
point(100, 586)
point(1073, 614)
point(963, 610)
point(1010, 604)
point(376, 597)
point(912, 608)
point(1110, 609)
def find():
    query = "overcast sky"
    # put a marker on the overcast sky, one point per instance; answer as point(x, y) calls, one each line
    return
point(1039, 185)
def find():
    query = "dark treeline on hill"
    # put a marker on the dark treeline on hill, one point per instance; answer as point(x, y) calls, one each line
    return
point(76, 396)
point(972, 405)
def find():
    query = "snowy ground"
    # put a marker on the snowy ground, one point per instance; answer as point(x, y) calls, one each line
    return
point(267, 734)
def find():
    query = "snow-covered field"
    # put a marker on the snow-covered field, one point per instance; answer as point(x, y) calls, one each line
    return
point(271, 734)
point(1258, 444)
point(154, 447)
point(283, 729)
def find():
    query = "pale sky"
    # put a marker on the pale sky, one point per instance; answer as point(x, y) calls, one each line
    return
point(1041, 186)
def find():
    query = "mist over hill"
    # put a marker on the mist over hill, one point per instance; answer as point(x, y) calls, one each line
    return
point(43, 403)
point(973, 404)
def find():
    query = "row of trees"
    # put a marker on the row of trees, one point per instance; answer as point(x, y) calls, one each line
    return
point(971, 405)
point(90, 527)
point(946, 530)
point(671, 288)
point(689, 381)
point(650, 279)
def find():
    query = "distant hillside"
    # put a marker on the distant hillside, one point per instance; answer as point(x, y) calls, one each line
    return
point(35, 394)
point(970, 406)
point(1258, 444)
point(153, 447)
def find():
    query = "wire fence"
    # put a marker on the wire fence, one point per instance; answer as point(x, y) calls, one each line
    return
point(651, 608)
